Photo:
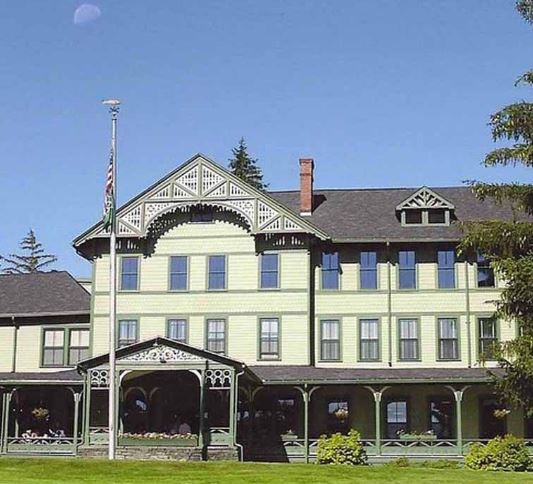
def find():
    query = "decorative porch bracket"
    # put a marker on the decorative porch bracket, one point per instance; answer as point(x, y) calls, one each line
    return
point(377, 394)
point(458, 394)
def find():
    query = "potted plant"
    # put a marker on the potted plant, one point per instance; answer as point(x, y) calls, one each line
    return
point(288, 436)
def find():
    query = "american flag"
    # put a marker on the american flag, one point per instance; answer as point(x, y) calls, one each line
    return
point(109, 195)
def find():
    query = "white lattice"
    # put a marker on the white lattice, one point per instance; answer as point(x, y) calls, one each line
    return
point(152, 209)
point(246, 207)
point(162, 194)
point(264, 214)
point(189, 180)
point(133, 217)
point(162, 353)
point(124, 230)
point(99, 378)
point(290, 225)
point(218, 192)
point(180, 193)
point(274, 225)
point(210, 179)
point(218, 379)
point(425, 198)
point(236, 191)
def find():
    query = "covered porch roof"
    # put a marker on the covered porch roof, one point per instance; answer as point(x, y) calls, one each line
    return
point(284, 375)
point(65, 377)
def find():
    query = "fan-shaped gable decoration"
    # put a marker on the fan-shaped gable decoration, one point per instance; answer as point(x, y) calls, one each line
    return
point(201, 181)
point(425, 198)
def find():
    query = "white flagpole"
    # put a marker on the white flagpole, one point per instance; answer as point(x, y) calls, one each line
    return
point(113, 109)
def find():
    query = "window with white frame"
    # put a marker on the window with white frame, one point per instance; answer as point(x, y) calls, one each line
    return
point(79, 345)
point(54, 347)
point(177, 330)
point(269, 338)
point(488, 337)
point(216, 335)
point(408, 329)
point(330, 339)
point(369, 339)
point(127, 332)
point(448, 339)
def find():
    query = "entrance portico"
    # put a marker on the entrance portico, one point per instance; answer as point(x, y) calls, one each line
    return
point(169, 395)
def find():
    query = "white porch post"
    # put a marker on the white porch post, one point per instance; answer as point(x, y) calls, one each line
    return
point(77, 398)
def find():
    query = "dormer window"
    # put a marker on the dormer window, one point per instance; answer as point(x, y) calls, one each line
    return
point(425, 207)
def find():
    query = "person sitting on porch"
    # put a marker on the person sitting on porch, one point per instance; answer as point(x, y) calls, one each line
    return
point(184, 428)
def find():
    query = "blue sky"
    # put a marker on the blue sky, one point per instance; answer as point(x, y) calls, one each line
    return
point(379, 92)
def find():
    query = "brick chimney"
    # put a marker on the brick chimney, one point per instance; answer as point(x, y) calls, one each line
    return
point(306, 186)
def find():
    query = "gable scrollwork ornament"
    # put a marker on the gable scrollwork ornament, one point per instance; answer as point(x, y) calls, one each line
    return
point(161, 354)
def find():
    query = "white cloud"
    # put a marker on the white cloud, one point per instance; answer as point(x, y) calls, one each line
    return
point(86, 13)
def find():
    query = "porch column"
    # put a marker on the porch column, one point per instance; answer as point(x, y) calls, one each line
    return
point(202, 409)
point(306, 396)
point(5, 421)
point(2, 422)
point(232, 408)
point(377, 394)
point(77, 398)
point(87, 411)
point(458, 394)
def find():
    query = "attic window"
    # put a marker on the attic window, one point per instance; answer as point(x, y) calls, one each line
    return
point(437, 216)
point(413, 217)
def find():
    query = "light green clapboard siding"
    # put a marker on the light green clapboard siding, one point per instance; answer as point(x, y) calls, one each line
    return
point(6, 348)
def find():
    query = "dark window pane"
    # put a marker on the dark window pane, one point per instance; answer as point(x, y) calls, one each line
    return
point(442, 418)
point(436, 216)
point(485, 273)
point(407, 272)
point(446, 268)
point(129, 273)
point(413, 216)
point(217, 272)
point(369, 275)
point(330, 270)
point(396, 418)
point(269, 271)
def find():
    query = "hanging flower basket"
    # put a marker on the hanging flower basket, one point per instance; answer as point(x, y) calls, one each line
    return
point(40, 413)
point(501, 413)
point(341, 414)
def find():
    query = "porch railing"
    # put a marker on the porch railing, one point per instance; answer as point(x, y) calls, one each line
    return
point(43, 445)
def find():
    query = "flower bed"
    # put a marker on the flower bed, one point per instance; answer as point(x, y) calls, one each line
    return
point(159, 439)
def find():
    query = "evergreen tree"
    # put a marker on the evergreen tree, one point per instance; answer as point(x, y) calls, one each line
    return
point(245, 167)
point(32, 260)
point(509, 245)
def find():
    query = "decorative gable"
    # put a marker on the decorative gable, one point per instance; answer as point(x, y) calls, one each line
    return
point(201, 182)
point(425, 207)
point(425, 198)
point(161, 354)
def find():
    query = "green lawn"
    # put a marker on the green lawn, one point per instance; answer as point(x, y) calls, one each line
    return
point(53, 470)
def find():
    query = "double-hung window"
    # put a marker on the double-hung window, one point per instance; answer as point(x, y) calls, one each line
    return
point(217, 272)
point(330, 270)
point(448, 339)
point(396, 418)
point(369, 270)
point(407, 272)
point(269, 338)
point(330, 340)
point(54, 347)
point(446, 268)
point(408, 329)
point(78, 346)
point(216, 335)
point(488, 336)
point(129, 273)
point(485, 273)
point(269, 271)
point(127, 332)
point(178, 273)
point(177, 330)
point(369, 339)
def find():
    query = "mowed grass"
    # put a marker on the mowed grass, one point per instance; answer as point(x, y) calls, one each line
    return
point(53, 470)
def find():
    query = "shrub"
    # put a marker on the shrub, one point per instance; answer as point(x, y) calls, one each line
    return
point(341, 449)
point(507, 453)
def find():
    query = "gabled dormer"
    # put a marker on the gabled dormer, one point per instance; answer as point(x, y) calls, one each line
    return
point(425, 207)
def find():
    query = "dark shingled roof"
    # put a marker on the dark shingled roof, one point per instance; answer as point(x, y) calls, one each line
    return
point(310, 374)
point(58, 377)
point(42, 294)
point(370, 214)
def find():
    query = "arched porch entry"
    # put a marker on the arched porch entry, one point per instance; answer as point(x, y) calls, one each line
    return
point(166, 402)
point(169, 393)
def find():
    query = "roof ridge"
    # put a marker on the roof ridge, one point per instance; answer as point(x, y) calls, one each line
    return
point(371, 189)
point(53, 271)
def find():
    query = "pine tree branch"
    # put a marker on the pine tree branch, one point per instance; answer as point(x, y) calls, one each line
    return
point(525, 8)
point(513, 122)
point(517, 154)
point(519, 195)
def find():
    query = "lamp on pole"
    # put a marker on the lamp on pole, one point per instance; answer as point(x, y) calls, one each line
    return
point(111, 194)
